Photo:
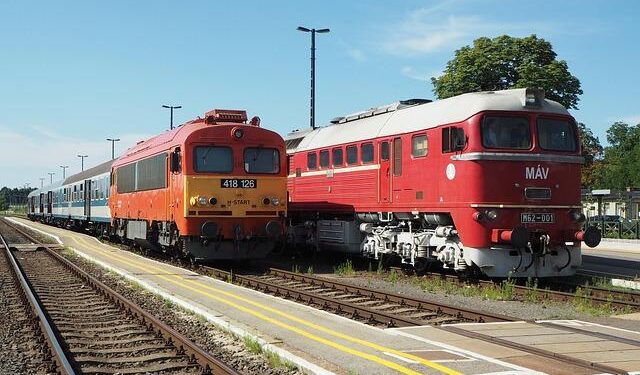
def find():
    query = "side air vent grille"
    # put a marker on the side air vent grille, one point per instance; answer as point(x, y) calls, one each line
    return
point(537, 193)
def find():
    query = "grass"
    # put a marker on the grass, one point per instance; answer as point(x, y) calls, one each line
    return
point(345, 269)
point(274, 359)
point(310, 270)
point(581, 302)
point(393, 277)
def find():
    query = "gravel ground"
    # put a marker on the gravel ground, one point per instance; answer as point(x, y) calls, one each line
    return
point(19, 350)
point(219, 343)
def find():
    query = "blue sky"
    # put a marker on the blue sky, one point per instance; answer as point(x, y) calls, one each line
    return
point(73, 73)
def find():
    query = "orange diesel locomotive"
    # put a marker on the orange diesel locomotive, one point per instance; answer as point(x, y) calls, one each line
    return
point(213, 188)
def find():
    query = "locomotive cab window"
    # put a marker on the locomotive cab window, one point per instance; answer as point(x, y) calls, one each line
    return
point(419, 146)
point(352, 155)
point(367, 153)
point(556, 135)
point(312, 160)
point(337, 157)
point(506, 132)
point(324, 159)
point(261, 160)
point(384, 151)
point(213, 159)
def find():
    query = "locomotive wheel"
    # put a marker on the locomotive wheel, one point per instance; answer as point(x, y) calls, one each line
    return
point(421, 265)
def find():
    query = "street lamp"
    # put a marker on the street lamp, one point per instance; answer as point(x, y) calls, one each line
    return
point(51, 177)
point(64, 169)
point(171, 107)
point(313, 70)
point(82, 157)
point(41, 181)
point(113, 142)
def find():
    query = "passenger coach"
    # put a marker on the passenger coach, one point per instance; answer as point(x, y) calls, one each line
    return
point(484, 182)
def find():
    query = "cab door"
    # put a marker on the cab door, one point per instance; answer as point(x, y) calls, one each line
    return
point(384, 173)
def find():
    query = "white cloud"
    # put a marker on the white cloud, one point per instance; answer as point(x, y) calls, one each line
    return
point(420, 75)
point(35, 151)
point(429, 30)
point(356, 54)
point(632, 120)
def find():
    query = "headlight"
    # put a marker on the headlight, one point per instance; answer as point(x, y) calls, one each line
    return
point(275, 201)
point(202, 200)
point(266, 201)
point(213, 201)
point(491, 214)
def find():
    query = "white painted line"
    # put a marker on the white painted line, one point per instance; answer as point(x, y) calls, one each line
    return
point(466, 358)
point(580, 323)
point(401, 358)
point(520, 369)
point(505, 373)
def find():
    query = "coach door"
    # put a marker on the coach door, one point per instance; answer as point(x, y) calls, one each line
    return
point(384, 173)
point(50, 202)
point(87, 199)
point(41, 203)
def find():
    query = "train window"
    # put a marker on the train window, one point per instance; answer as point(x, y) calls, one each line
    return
point(312, 160)
point(367, 153)
point(337, 157)
point(324, 158)
point(261, 160)
point(213, 159)
point(556, 135)
point(419, 145)
point(397, 157)
point(151, 173)
point(126, 178)
point(352, 155)
point(506, 132)
point(384, 151)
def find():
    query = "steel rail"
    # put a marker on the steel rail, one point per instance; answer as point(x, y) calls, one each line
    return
point(63, 364)
point(388, 318)
point(208, 363)
point(618, 299)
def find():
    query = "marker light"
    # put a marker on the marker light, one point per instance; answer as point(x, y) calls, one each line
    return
point(275, 201)
point(202, 200)
point(237, 133)
point(266, 201)
point(213, 201)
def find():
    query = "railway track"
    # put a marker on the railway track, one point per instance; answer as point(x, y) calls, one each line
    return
point(562, 291)
point(365, 304)
point(91, 328)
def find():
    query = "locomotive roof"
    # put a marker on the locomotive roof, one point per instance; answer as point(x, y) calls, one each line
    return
point(400, 119)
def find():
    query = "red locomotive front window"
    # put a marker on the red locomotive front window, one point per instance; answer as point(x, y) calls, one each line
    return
point(556, 135)
point(261, 160)
point(506, 132)
point(213, 159)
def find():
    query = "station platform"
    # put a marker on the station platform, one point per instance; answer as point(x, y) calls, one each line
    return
point(613, 256)
point(320, 342)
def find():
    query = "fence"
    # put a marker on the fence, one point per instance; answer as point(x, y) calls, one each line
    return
point(615, 229)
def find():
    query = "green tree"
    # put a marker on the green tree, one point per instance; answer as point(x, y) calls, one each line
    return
point(593, 152)
point(621, 163)
point(506, 62)
point(4, 205)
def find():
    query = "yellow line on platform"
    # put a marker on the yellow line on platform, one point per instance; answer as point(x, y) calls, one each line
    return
point(177, 280)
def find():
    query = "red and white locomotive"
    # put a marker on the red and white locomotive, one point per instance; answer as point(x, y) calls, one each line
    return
point(486, 181)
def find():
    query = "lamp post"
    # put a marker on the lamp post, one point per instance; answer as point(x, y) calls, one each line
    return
point(51, 177)
point(41, 181)
point(171, 107)
point(313, 32)
point(64, 169)
point(82, 157)
point(113, 142)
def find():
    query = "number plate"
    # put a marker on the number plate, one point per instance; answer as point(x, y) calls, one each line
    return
point(537, 218)
point(239, 183)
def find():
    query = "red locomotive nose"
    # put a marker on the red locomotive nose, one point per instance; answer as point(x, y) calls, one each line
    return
point(591, 237)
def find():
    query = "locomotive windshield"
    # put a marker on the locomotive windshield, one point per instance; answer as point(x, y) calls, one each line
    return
point(506, 132)
point(213, 159)
point(261, 160)
point(556, 135)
